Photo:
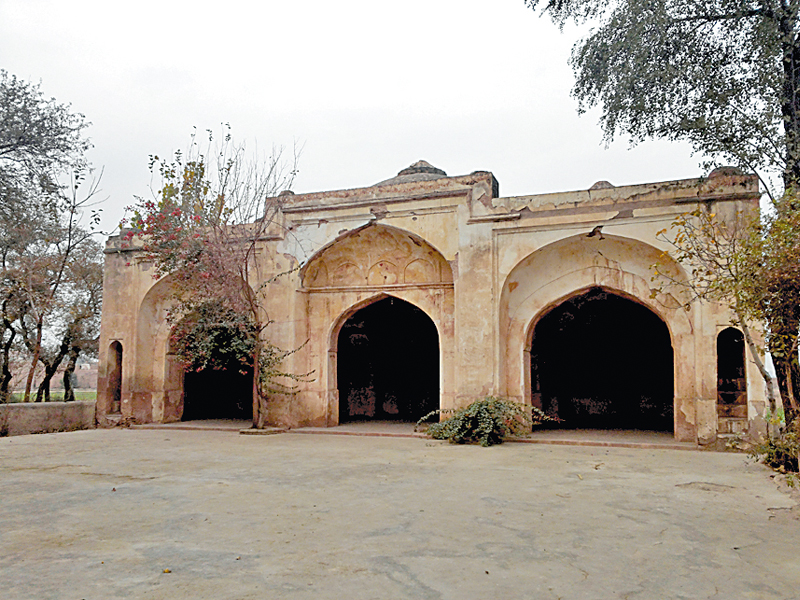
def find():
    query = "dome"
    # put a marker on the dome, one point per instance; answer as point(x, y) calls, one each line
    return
point(420, 171)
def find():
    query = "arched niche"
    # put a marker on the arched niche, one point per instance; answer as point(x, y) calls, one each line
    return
point(114, 382)
point(731, 374)
point(376, 255)
point(571, 266)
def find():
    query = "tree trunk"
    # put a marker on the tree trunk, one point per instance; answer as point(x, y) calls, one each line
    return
point(259, 403)
point(43, 391)
point(768, 379)
point(69, 392)
point(50, 368)
point(5, 371)
point(788, 384)
point(790, 104)
point(34, 361)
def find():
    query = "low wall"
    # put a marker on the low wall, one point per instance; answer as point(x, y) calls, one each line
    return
point(45, 417)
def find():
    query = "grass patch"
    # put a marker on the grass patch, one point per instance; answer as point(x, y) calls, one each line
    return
point(57, 396)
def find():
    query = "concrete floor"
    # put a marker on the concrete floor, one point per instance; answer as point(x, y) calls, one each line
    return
point(102, 514)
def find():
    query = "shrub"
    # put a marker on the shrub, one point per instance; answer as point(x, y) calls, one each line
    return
point(780, 453)
point(486, 422)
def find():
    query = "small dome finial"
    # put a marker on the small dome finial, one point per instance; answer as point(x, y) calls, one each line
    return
point(422, 166)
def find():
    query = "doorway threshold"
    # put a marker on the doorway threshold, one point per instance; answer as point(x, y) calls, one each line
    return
point(234, 425)
point(610, 438)
point(366, 429)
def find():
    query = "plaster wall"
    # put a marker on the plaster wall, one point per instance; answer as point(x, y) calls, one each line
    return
point(484, 268)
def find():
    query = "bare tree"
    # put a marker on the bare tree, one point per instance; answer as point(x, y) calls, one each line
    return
point(42, 170)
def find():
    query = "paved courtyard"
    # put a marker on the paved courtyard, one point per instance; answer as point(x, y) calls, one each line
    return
point(174, 514)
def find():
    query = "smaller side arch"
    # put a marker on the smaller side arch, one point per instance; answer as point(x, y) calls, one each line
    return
point(731, 380)
point(114, 382)
point(158, 384)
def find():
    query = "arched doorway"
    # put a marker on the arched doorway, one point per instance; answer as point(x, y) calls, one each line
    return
point(387, 363)
point(601, 361)
point(214, 346)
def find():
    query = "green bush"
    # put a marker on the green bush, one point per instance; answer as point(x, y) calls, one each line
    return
point(486, 422)
point(780, 453)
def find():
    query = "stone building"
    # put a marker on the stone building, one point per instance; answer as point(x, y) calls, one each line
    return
point(426, 291)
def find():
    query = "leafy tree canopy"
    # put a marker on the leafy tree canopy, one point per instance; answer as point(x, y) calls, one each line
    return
point(38, 134)
point(723, 75)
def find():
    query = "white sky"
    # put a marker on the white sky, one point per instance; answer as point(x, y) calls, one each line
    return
point(365, 87)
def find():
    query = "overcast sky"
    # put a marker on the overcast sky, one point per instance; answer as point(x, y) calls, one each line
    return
point(364, 87)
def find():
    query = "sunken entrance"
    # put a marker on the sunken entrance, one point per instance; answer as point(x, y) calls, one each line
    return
point(388, 363)
point(218, 394)
point(601, 361)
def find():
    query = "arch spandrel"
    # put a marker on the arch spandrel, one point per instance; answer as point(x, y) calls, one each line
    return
point(376, 255)
point(558, 270)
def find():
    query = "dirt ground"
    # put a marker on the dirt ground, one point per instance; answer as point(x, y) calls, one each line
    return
point(173, 514)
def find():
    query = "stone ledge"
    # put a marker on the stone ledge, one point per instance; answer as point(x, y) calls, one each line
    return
point(265, 431)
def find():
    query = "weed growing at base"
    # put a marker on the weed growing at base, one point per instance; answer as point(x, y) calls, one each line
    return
point(486, 422)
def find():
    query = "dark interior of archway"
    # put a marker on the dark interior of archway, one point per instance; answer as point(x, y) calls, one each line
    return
point(218, 394)
point(731, 382)
point(115, 377)
point(600, 361)
point(388, 363)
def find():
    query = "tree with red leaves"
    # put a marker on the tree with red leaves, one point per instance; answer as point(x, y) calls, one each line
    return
point(202, 228)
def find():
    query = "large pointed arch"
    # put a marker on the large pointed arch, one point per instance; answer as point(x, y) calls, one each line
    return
point(359, 268)
point(387, 356)
point(600, 359)
point(570, 266)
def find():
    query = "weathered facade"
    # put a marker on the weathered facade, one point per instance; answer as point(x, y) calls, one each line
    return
point(427, 291)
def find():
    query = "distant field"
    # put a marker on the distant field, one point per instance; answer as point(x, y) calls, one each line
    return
point(83, 395)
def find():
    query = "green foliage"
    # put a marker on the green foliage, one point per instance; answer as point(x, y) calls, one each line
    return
point(780, 453)
point(213, 336)
point(774, 292)
point(486, 422)
point(752, 265)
